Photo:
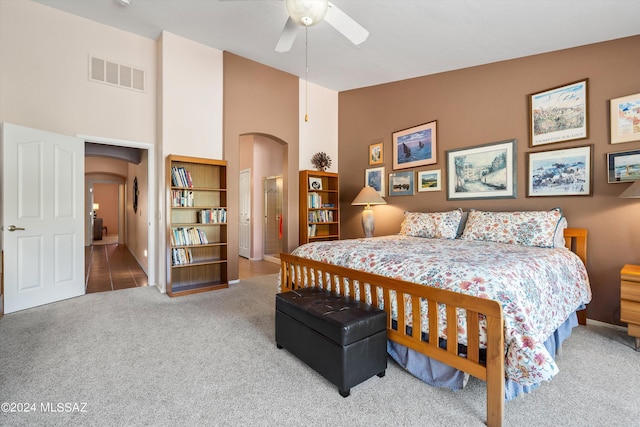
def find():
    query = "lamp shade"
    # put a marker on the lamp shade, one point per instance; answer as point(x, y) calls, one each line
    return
point(368, 196)
point(632, 191)
point(96, 206)
point(307, 12)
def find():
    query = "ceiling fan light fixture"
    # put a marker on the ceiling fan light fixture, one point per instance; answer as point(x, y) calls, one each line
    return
point(307, 12)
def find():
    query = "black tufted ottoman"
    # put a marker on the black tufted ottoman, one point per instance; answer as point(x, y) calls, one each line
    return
point(343, 339)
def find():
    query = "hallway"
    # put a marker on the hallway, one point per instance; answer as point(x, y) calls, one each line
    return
point(111, 267)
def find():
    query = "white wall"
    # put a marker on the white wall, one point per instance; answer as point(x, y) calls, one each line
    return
point(191, 94)
point(320, 133)
point(44, 75)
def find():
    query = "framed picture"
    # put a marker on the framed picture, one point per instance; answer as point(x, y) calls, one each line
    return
point(401, 184)
point(375, 154)
point(562, 172)
point(429, 180)
point(623, 166)
point(625, 119)
point(558, 114)
point(315, 183)
point(374, 177)
point(483, 172)
point(416, 146)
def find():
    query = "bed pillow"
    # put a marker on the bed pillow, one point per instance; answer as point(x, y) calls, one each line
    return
point(435, 225)
point(558, 238)
point(527, 228)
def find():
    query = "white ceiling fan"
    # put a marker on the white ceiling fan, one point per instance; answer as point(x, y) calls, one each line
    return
point(307, 13)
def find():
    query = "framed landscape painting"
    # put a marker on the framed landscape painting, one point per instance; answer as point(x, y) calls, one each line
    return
point(482, 172)
point(562, 172)
point(401, 184)
point(625, 119)
point(429, 180)
point(415, 146)
point(558, 114)
point(623, 166)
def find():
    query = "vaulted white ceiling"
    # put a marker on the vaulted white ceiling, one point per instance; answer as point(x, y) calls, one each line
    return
point(408, 38)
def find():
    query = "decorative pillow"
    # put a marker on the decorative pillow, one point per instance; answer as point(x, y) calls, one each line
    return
point(435, 225)
point(558, 238)
point(527, 228)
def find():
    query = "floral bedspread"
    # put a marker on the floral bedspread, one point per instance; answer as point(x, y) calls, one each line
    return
point(537, 287)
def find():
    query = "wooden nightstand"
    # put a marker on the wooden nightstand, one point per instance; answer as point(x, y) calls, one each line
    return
point(630, 300)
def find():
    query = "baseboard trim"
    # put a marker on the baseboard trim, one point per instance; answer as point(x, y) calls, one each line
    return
point(608, 325)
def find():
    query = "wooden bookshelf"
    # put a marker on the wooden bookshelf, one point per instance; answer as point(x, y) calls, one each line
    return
point(319, 206)
point(197, 230)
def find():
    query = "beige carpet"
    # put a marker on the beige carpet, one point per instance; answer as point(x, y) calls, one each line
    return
point(138, 357)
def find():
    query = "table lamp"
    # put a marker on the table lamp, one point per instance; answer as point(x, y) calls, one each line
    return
point(96, 207)
point(368, 196)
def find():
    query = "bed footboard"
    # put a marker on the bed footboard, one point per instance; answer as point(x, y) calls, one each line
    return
point(300, 273)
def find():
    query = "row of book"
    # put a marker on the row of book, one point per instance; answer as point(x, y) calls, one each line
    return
point(180, 177)
point(321, 216)
point(314, 200)
point(181, 256)
point(182, 198)
point(212, 216)
point(182, 236)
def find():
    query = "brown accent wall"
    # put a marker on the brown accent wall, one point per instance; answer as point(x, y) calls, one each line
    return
point(260, 100)
point(487, 104)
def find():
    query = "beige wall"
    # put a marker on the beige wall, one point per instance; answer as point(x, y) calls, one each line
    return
point(137, 223)
point(106, 195)
point(260, 100)
point(489, 103)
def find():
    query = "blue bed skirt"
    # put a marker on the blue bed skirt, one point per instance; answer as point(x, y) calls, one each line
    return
point(438, 374)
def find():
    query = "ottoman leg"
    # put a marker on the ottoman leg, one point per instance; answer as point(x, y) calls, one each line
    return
point(381, 374)
point(344, 393)
point(279, 346)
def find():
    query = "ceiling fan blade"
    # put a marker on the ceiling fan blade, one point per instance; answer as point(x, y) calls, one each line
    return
point(288, 36)
point(347, 26)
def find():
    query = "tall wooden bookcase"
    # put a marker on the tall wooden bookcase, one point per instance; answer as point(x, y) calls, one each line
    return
point(319, 206)
point(197, 226)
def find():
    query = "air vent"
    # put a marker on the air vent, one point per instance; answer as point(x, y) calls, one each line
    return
point(112, 73)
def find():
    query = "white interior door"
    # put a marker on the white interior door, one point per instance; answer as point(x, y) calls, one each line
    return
point(245, 214)
point(42, 217)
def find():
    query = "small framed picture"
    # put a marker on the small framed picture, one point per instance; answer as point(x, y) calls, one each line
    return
point(315, 183)
point(558, 114)
point(374, 177)
point(625, 119)
point(401, 184)
point(561, 172)
point(623, 166)
point(375, 154)
point(416, 146)
point(429, 180)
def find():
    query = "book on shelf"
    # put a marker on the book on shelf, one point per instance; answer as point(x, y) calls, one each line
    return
point(180, 177)
point(213, 216)
point(312, 230)
point(315, 200)
point(181, 256)
point(190, 236)
point(321, 216)
point(181, 198)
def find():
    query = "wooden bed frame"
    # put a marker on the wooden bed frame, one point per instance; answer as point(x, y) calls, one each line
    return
point(299, 272)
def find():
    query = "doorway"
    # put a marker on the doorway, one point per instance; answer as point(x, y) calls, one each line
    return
point(272, 229)
point(125, 163)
